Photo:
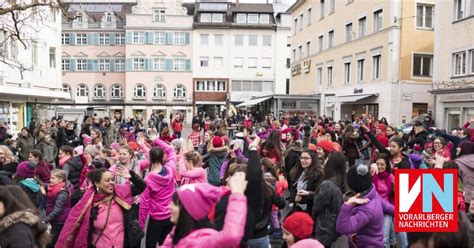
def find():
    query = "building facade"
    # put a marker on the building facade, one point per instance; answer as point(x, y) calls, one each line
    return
point(453, 76)
point(30, 75)
point(360, 57)
point(129, 57)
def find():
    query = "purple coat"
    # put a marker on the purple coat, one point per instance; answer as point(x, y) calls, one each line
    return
point(365, 220)
point(57, 207)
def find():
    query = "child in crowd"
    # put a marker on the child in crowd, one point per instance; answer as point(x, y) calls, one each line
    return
point(298, 231)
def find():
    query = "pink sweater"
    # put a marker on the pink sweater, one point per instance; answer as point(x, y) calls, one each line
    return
point(156, 198)
point(229, 236)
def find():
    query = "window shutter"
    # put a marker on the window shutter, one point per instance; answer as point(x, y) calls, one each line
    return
point(129, 65)
point(72, 65)
point(149, 63)
point(129, 37)
point(112, 38)
point(112, 65)
point(89, 64)
point(169, 38)
point(149, 37)
point(72, 38)
point(91, 39)
point(186, 38)
point(169, 65)
point(95, 65)
point(188, 65)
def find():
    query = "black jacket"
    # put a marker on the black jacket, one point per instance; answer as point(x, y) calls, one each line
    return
point(420, 139)
point(311, 186)
point(292, 158)
point(73, 168)
point(404, 164)
point(17, 230)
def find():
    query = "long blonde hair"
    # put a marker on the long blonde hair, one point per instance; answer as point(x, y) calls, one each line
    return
point(9, 157)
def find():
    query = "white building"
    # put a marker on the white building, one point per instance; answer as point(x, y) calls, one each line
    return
point(26, 94)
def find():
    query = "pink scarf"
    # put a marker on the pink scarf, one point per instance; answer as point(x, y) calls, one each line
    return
point(76, 229)
point(63, 161)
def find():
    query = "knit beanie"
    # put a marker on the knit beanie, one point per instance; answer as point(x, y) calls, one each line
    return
point(26, 169)
point(79, 150)
point(86, 140)
point(217, 142)
point(467, 147)
point(134, 145)
point(177, 143)
point(300, 224)
point(326, 145)
point(91, 150)
point(239, 143)
point(198, 199)
point(115, 146)
point(359, 178)
point(313, 147)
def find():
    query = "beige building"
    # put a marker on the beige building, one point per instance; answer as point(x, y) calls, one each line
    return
point(453, 76)
point(371, 57)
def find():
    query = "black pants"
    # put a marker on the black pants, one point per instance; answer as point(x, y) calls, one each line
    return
point(178, 134)
point(157, 231)
point(55, 230)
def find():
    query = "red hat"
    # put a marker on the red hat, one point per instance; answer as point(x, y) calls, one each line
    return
point(217, 142)
point(300, 224)
point(337, 147)
point(133, 145)
point(312, 147)
point(326, 145)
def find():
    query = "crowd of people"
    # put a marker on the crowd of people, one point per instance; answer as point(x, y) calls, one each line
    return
point(240, 181)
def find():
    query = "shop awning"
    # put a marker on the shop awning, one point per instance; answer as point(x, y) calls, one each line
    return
point(353, 98)
point(252, 102)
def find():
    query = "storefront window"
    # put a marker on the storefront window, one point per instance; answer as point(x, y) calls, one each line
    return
point(469, 114)
point(453, 118)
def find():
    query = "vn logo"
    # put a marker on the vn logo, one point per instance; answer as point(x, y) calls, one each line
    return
point(426, 200)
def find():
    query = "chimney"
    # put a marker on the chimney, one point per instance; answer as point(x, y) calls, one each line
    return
point(237, 3)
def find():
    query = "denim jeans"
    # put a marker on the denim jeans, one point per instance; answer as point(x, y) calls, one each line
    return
point(389, 233)
point(263, 242)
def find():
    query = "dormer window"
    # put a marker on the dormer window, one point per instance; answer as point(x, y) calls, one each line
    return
point(79, 18)
point(159, 15)
point(252, 18)
point(217, 17)
point(264, 18)
point(243, 18)
point(108, 17)
point(212, 17)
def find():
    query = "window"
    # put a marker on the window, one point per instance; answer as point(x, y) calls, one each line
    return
point(81, 65)
point(138, 38)
point(217, 17)
point(239, 40)
point(159, 64)
point(331, 38)
point(116, 91)
point(120, 65)
point(300, 52)
point(321, 42)
point(179, 38)
point(119, 39)
point(424, 16)
point(179, 65)
point(266, 63)
point(253, 40)
point(252, 62)
point(13, 49)
point(360, 70)
point(81, 39)
point(108, 17)
point(104, 65)
point(241, 18)
point(52, 57)
point(99, 91)
point(238, 62)
point(293, 55)
point(159, 15)
point(264, 18)
point(308, 48)
point(82, 90)
point(200, 85)
point(295, 25)
point(471, 54)
point(65, 39)
point(460, 9)
point(160, 38)
point(459, 62)
point(321, 9)
point(252, 18)
point(376, 66)
point(267, 40)
point(378, 20)
point(179, 92)
point(309, 17)
point(204, 61)
point(332, 6)
point(319, 76)
point(362, 26)
point(79, 18)
point(422, 65)
point(301, 21)
point(218, 62)
point(138, 64)
point(347, 72)
point(104, 39)
point(206, 17)
point(211, 85)
point(236, 85)
point(34, 52)
point(139, 91)
point(204, 39)
point(218, 39)
point(159, 92)
point(329, 76)
point(349, 32)
point(65, 65)
point(66, 88)
point(220, 85)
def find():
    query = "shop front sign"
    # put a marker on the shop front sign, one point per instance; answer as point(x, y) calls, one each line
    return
point(296, 69)
point(460, 97)
point(307, 65)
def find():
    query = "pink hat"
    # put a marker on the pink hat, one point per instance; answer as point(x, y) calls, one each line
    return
point(26, 169)
point(79, 150)
point(115, 146)
point(86, 140)
point(198, 199)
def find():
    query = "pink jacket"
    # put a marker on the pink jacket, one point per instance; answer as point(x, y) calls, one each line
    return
point(229, 236)
point(196, 175)
point(156, 198)
point(307, 243)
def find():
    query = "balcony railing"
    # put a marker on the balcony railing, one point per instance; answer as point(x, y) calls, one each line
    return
point(94, 25)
